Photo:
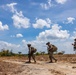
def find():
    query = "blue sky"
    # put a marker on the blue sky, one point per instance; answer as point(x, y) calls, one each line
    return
point(37, 22)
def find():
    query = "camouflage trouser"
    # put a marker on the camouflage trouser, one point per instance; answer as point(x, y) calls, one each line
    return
point(31, 55)
point(75, 50)
point(51, 56)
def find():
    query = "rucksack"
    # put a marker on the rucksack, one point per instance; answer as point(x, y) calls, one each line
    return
point(33, 49)
point(54, 48)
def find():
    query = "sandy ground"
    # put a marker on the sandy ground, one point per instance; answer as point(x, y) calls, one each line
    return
point(17, 67)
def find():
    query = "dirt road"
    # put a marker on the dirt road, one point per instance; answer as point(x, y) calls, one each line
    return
point(44, 68)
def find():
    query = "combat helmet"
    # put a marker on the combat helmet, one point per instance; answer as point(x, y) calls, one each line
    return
point(75, 39)
point(47, 43)
point(28, 45)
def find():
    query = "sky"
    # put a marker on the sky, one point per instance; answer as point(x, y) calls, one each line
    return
point(37, 22)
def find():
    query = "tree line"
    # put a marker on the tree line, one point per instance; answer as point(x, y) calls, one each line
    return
point(7, 52)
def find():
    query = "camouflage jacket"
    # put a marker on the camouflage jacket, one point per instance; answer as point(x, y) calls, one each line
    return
point(75, 44)
point(49, 48)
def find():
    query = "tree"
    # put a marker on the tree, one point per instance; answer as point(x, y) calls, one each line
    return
point(61, 53)
point(19, 53)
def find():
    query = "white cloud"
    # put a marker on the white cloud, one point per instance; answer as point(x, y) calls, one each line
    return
point(40, 23)
point(20, 21)
point(53, 33)
point(39, 45)
point(63, 45)
point(14, 47)
point(6, 45)
point(19, 35)
point(49, 4)
point(65, 14)
point(3, 27)
point(73, 36)
point(70, 20)
point(61, 1)
point(24, 41)
point(11, 7)
point(46, 5)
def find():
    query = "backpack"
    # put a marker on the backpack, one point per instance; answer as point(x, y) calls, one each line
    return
point(54, 48)
point(33, 49)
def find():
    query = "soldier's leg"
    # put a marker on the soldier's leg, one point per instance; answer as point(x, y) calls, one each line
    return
point(29, 56)
point(53, 57)
point(50, 57)
point(33, 56)
point(75, 51)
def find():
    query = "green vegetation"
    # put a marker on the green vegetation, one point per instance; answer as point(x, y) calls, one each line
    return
point(4, 52)
point(61, 53)
point(7, 52)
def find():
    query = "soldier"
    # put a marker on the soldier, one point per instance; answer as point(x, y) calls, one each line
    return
point(50, 52)
point(31, 52)
point(74, 45)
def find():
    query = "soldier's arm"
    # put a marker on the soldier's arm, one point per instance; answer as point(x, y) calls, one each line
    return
point(29, 50)
point(51, 47)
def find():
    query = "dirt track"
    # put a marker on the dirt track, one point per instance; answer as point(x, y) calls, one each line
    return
point(44, 68)
point(66, 65)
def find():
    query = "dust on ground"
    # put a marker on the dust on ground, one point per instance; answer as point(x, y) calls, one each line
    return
point(66, 65)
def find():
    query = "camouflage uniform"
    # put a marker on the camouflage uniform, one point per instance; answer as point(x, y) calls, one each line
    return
point(50, 52)
point(74, 45)
point(31, 54)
